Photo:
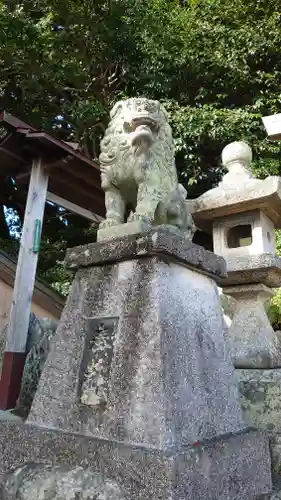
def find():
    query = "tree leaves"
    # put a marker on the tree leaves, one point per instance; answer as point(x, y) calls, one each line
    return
point(214, 64)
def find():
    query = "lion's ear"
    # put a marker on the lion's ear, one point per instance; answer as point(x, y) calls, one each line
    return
point(117, 107)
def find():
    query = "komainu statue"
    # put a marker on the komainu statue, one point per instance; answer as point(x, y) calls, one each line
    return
point(138, 169)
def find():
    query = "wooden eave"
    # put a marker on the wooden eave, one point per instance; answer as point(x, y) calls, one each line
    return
point(72, 175)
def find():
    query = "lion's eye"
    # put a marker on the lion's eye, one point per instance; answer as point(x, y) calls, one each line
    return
point(127, 127)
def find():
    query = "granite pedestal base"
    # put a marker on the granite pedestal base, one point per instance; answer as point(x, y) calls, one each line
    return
point(234, 467)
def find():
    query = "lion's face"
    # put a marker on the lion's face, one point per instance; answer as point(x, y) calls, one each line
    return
point(138, 113)
point(138, 133)
point(135, 123)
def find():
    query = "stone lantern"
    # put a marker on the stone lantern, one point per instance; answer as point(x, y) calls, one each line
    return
point(242, 214)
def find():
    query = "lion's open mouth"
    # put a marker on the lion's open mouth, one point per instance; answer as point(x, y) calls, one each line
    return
point(142, 137)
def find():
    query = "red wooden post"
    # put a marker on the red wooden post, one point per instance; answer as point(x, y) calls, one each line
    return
point(14, 357)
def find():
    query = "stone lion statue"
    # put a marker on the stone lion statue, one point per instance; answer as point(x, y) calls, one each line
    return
point(138, 168)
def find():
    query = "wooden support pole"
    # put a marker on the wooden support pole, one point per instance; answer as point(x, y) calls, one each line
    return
point(15, 354)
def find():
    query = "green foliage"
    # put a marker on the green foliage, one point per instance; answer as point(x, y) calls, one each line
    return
point(10, 246)
point(215, 65)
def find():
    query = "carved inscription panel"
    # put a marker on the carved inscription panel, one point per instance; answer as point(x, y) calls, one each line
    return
point(96, 364)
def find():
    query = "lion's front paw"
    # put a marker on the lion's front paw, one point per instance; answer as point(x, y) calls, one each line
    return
point(108, 223)
point(140, 217)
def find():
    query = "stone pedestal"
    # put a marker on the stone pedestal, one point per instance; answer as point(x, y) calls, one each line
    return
point(138, 385)
point(140, 355)
point(253, 342)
